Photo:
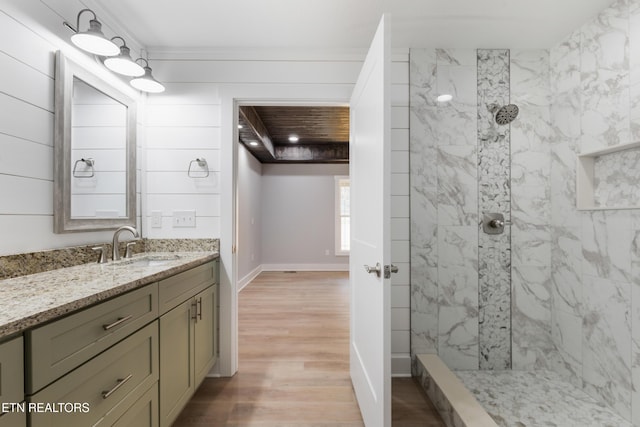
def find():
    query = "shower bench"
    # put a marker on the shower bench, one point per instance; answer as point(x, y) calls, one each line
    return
point(509, 398)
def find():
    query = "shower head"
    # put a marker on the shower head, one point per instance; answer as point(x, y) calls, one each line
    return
point(505, 114)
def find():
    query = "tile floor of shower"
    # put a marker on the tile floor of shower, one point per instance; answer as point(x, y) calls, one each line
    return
point(511, 398)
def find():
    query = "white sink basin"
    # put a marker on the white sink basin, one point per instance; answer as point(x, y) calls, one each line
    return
point(150, 261)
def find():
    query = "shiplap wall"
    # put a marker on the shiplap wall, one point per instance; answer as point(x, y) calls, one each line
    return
point(30, 33)
point(182, 124)
point(185, 122)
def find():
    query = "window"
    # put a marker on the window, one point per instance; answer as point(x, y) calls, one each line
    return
point(343, 218)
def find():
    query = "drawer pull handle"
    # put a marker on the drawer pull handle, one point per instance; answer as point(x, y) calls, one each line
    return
point(117, 322)
point(199, 308)
point(121, 381)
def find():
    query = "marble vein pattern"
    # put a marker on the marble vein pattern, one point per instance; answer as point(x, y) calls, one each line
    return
point(447, 412)
point(494, 180)
point(607, 342)
point(537, 399)
point(634, 64)
point(37, 298)
point(606, 245)
point(458, 296)
point(423, 201)
point(605, 78)
point(635, 319)
point(617, 179)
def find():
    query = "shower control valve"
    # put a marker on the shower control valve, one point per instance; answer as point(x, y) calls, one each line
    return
point(493, 223)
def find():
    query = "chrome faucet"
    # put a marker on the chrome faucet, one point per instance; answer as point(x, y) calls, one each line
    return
point(116, 250)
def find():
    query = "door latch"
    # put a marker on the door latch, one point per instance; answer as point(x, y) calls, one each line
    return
point(388, 269)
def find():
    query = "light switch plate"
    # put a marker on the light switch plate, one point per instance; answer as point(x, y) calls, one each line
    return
point(156, 219)
point(184, 219)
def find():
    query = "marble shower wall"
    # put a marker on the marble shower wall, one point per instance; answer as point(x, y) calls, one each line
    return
point(595, 270)
point(444, 206)
point(532, 343)
point(461, 166)
point(494, 189)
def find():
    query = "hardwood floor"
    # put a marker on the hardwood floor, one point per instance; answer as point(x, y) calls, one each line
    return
point(294, 362)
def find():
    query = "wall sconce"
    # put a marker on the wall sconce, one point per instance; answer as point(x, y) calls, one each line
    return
point(92, 40)
point(123, 64)
point(118, 58)
point(147, 83)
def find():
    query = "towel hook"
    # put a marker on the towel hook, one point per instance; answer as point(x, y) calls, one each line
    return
point(202, 162)
point(89, 167)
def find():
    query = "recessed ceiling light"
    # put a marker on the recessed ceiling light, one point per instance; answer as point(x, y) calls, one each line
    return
point(445, 97)
point(254, 143)
point(240, 126)
point(294, 138)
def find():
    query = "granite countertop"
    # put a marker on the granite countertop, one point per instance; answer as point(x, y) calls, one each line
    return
point(28, 301)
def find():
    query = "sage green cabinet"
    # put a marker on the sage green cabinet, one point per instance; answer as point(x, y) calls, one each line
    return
point(143, 413)
point(188, 335)
point(205, 331)
point(60, 346)
point(12, 381)
point(13, 419)
point(188, 351)
point(110, 384)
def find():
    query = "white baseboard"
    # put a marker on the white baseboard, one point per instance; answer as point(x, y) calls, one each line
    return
point(305, 267)
point(249, 277)
point(400, 365)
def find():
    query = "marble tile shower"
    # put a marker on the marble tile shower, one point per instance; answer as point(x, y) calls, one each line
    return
point(463, 164)
point(494, 189)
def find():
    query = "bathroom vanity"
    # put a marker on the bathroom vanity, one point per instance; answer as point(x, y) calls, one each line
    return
point(119, 344)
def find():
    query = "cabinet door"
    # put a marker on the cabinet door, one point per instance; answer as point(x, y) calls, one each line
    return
point(205, 342)
point(176, 361)
point(11, 371)
point(13, 419)
point(143, 413)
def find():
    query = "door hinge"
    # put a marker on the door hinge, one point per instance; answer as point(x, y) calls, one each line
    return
point(388, 269)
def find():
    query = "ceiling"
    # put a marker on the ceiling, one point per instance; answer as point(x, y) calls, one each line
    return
point(348, 24)
point(323, 133)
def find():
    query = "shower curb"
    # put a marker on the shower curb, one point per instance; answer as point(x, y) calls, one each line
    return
point(456, 405)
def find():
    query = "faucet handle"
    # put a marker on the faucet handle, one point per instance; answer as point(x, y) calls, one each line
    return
point(102, 253)
point(129, 249)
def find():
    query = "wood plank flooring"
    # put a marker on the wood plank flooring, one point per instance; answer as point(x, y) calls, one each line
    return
point(294, 362)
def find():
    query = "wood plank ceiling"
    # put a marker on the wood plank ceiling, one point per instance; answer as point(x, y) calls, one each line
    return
point(323, 133)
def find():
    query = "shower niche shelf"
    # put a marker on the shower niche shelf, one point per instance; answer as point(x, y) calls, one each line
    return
point(605, 180)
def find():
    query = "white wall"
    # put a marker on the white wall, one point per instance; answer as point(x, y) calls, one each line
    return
point(183, 123)
point(298, 217)
point(30, 33)
point(190, 111)
point(249, 224)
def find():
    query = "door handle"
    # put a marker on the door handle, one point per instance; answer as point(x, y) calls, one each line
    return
point(388, 269)
point(374, 270)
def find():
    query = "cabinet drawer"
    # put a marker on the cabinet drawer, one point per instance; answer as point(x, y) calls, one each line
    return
point(11, 371)
point(143, 413)
point(114, 379)
point(177, 289)
point(59, 347)
point(13, 419)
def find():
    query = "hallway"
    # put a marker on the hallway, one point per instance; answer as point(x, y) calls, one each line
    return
point(294, 361)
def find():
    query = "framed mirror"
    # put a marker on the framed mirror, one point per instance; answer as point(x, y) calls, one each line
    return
point(94, 152)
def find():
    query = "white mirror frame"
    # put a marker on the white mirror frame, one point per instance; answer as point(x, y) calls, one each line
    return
point(63, 222)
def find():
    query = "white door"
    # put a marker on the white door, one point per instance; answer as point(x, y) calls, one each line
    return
point(369, 147)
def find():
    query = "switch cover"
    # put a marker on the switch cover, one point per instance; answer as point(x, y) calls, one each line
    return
point(184, 219)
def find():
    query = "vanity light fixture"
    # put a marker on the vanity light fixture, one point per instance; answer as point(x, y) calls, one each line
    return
point(445, 97)
point(92, 40)
point(294, 138)
point(123, 64)
point(146, 82)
